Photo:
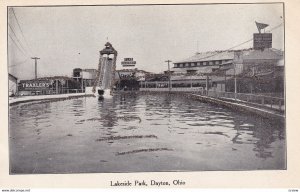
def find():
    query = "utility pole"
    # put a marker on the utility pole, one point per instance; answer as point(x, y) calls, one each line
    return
point(35, 65)
point(168, 61)
point(207, 79)
point(235, 87)
point(236, 60)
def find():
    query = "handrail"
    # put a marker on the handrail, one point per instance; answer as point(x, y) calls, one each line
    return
point(248, 94)
point(271, 102)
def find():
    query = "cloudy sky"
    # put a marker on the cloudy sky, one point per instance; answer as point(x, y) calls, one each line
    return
point(70, 37)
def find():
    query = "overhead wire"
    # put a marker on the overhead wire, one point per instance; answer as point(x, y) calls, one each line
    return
point(16, 37)
point(25, 51)
point(19, 63)
point(21, 30)
point(238, 44)
point(17, 45)
point(227, 50)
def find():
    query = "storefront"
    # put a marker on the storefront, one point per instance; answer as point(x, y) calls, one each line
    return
point(129, 79)
point(48, 86)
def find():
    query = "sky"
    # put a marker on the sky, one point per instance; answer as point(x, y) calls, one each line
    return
point(71, 37)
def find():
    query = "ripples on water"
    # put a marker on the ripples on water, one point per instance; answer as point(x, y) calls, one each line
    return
point(140, 133)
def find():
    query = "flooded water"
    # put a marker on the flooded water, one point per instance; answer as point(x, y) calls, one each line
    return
point(138, 133)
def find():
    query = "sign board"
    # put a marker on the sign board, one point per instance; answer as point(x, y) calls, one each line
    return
point(126, 75)
point(128, 62)
point(262, 40)
point(33, 85)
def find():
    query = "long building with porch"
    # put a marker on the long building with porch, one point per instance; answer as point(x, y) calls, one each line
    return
point(255, 71)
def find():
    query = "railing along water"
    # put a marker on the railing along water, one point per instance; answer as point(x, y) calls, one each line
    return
point(276, 103)
point(266, 101)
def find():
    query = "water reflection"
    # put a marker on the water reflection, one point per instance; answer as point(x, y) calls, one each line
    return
point(108, 117)
point(130, 129)
point(78, 107)
point(260, 133)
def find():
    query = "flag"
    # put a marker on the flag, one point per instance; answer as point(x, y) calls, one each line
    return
point(261, 26)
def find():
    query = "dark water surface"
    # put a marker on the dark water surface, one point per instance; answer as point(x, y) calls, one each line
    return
point(136, 133)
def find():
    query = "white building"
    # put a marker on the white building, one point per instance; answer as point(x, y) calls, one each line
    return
point(220, 67)
point(13, 85)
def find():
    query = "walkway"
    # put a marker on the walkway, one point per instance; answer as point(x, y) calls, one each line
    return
point(24, 99)
point(262, 105)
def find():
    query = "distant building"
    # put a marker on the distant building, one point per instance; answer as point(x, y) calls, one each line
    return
point(262, 72)
point(13, 85)
point(129, 79)
point(259, 71)
point(205, 62)
point(48, 86)
point(198, 70)
point(85, 77)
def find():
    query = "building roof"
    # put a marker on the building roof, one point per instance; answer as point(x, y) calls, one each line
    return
point(89, 70)
point(12, 76)
point(109, 49)
point(229, 55)
point(53, 78)
point(211, 55)
point(186, 78)
point(266, 54)
point(132, 70)
point(205, 69)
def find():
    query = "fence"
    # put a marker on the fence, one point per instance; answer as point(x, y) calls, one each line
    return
point(270, 102)
point(198, 90)
point(174, 84)
point(266, 101)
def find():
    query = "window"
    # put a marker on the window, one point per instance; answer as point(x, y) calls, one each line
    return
point(181, 65)
point(204, 63)
point(193, 65)
point(210, 63)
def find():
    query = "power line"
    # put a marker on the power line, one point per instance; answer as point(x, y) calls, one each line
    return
point(20, 63)
point(275, 27)
point(21, 30)
point(228, 50)
point(239, 44)
point(35, 65)
point(168, 61)
point(17, 45)
point(17, 37)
